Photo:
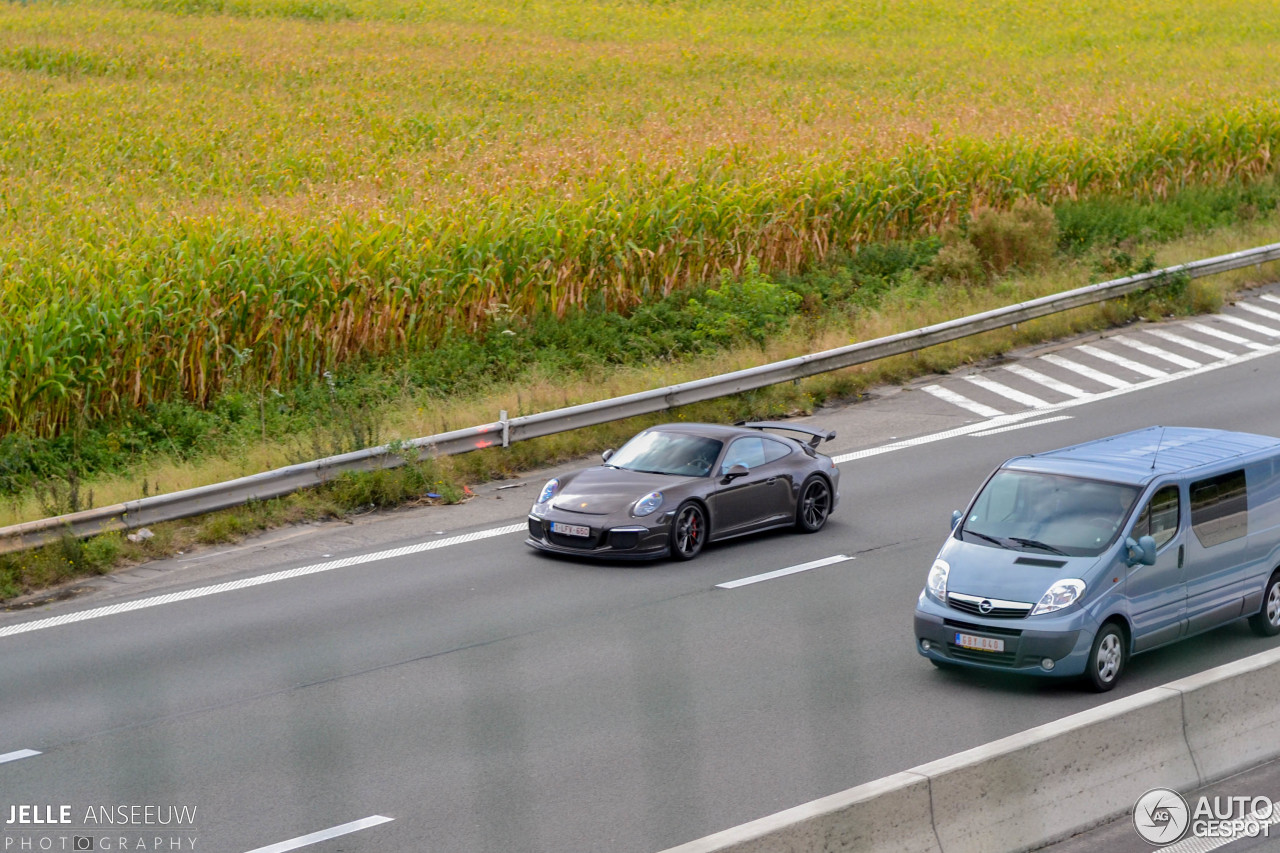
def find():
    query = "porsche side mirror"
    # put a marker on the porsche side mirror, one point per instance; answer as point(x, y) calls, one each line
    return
point(735, 471)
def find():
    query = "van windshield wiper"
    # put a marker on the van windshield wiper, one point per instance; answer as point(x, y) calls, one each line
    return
point(1032, 543)
point(991, 539)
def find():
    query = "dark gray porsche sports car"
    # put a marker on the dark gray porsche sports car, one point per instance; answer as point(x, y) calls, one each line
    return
point(673, 488)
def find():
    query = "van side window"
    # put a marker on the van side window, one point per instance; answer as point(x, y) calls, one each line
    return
point(1219, 509)
point(1159, 519)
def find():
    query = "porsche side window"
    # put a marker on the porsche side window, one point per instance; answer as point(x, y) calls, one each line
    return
point(745, 451)
point(773, 450)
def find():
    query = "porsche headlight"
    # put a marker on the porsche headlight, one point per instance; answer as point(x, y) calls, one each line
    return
point(936, 585)
point(548, 492)
point(1062, 594)
point(647, 505)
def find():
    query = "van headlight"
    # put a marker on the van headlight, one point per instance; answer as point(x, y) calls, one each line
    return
point(1061, 594)
point(936, 585)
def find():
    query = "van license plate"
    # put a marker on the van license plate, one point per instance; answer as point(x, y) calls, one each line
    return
point(570, 529)
point(982, 644)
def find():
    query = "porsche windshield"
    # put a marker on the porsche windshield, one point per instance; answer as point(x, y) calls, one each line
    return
point(668, 453)
point(1048, 513)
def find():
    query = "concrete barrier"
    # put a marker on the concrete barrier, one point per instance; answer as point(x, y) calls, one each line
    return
point(1054, 780)
point(1232, 715)
point(1047, 783)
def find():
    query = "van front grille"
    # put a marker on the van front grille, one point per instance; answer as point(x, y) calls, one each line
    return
point(996, 608)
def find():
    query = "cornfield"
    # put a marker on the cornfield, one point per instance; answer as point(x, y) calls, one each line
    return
point(199, 193)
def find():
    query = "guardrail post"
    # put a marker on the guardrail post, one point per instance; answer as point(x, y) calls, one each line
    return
point(506, 428)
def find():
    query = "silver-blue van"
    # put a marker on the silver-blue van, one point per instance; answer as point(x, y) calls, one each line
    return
point(1066, 563)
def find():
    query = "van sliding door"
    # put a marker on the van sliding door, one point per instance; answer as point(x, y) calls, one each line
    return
point(1216, 555)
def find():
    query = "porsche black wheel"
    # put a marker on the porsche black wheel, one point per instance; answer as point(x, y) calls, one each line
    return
point(814, 505)
point(688, 531)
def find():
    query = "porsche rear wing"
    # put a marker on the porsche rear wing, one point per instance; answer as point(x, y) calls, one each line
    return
point(816, 436)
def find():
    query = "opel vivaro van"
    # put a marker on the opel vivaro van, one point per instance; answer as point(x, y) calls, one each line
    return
point(1068, 562)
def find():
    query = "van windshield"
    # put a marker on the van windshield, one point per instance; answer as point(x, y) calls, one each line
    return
point(1048, 513)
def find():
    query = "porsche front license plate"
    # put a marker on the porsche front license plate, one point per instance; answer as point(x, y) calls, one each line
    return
point(982, 644)
point(569, 529)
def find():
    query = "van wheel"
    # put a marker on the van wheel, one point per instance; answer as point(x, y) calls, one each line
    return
point(1266, 622)
point(1106, 658)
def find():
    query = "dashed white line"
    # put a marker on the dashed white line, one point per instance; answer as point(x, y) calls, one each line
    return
point(1121, 361)
point(1005, 391)
point(963, 402)
point(1197, 346)
point(1270, 297)
point(803, 567)
point(1225, 336)
point(1049, 382)
point(323, 835)
point(14, 756)
point(1087, 372)
point(287, 574)
point(1157, 352)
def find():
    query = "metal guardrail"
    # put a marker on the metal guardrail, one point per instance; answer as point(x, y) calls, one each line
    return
point(282, 481)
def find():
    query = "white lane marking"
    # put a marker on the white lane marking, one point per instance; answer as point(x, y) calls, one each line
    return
point(1197, 346)
point(1270, 297)
point(1087, 372)
point(1261, 312)
point(767, 576)
point(287, 574)
point(1005, 391)
point(323, 835)
point(1157, 352)
point(963, 402)
point(1049, 382)
point(14, 756)
point(997, 430)
point(1253, 327)
point(1121, 361)
point(1225, 336)
point(1030, 414)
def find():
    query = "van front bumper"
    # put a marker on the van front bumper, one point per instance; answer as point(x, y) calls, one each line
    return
point(1022, 649)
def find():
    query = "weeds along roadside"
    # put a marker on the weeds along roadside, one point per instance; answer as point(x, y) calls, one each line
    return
point(996, 258)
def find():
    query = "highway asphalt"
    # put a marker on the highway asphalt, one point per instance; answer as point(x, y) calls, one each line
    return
point(426, 673)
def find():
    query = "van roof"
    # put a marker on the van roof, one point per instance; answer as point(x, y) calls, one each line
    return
point(1139, 456)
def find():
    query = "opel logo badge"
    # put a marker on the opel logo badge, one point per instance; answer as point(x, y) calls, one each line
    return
point(985, 606)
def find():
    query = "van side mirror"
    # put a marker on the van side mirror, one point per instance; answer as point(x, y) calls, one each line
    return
point(1143, 551)
point(956, 515)
point(607, 455)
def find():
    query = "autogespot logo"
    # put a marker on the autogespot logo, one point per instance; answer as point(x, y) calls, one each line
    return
point(1161, 816)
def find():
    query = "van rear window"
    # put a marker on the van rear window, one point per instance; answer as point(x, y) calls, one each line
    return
point(1220, 508)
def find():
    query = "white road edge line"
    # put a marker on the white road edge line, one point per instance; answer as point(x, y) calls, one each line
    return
point(998, 430)
point(323, 835)
point(14, 756)
point(803, 567)
point(287, 574)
